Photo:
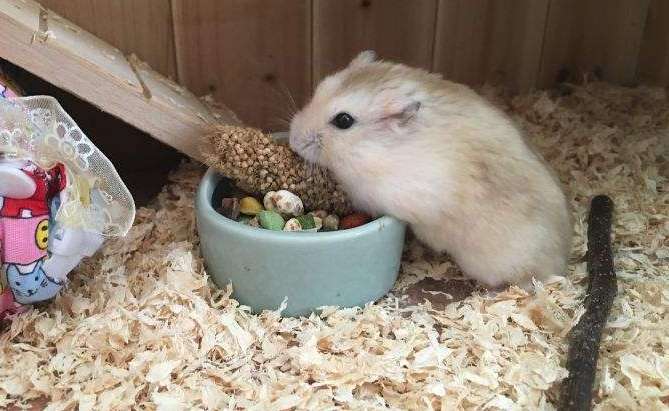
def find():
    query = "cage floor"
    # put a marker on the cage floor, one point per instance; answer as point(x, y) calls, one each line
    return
point(139, 326)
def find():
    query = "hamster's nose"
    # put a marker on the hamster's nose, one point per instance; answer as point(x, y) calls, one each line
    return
point(295, 139)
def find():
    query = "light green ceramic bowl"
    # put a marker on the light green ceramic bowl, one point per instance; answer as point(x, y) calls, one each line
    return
point(342, 268)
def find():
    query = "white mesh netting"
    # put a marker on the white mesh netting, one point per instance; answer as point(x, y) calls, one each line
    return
point(38, 128)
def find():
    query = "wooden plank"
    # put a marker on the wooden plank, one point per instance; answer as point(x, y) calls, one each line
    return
point(140, 27)
point(249, 53)
point(490, 41)
point(91, 69)
point(601, 36)
point(654, 58)
point(397, 30)
point(143, 174)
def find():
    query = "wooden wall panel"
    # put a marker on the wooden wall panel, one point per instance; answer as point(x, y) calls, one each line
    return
point(397, 30)
point(141, 27)
point(654, 58)
point(492, 41)
point(247, 53)
point(250, 54)
point(588, 35)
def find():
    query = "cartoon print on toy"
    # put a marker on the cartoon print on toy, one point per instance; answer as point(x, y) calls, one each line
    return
point(8, 304)
point(32, 286)
point(24, 213)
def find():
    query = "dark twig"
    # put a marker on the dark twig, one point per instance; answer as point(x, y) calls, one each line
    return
point(586, 335)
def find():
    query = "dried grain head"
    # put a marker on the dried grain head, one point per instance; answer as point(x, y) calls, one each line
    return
point(259, 164)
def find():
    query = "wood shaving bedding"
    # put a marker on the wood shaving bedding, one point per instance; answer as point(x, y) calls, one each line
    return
point(141, 327)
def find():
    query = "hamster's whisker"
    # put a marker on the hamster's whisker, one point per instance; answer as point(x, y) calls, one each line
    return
point(282, 115)
point(287, 100)
point(282, 108)
point(291, 99)
point(278, 122)
point(311, 169)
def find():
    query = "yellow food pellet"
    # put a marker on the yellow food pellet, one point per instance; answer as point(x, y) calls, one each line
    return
point(250, 206)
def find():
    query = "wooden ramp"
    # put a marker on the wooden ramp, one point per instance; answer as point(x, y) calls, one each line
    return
point(72, 59)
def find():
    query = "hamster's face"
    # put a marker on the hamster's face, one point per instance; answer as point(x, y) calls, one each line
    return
point(359, 103)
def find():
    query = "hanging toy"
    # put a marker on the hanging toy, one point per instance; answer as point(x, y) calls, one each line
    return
point(60, 197)
point(24, 226)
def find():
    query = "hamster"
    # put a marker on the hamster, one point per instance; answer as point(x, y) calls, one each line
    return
point(405, 142)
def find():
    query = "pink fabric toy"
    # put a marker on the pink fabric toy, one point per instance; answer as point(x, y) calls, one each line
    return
point(25, 193)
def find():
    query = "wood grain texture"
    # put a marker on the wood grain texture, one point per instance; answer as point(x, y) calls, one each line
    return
point(141, 27)
point(602, 36)
point(247, 53)
point(100, 74)
point(654, 58)
point(397, 30)
point(490, 41)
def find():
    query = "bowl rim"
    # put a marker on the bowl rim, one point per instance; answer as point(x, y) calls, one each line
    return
point(206, 190)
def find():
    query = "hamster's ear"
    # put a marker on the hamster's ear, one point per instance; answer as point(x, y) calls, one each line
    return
point(365, 57)
point(401, 113)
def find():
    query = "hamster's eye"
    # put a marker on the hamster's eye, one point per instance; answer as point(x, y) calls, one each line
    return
point(342, 120)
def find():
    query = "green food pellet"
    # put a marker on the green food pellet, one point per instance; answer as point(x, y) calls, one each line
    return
point(307, 221)
point(271, 220)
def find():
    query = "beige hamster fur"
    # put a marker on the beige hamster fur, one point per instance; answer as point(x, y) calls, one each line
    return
point(435, 154)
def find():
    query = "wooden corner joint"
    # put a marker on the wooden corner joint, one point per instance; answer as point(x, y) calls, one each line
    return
point(134, 62)
point(42, 32)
